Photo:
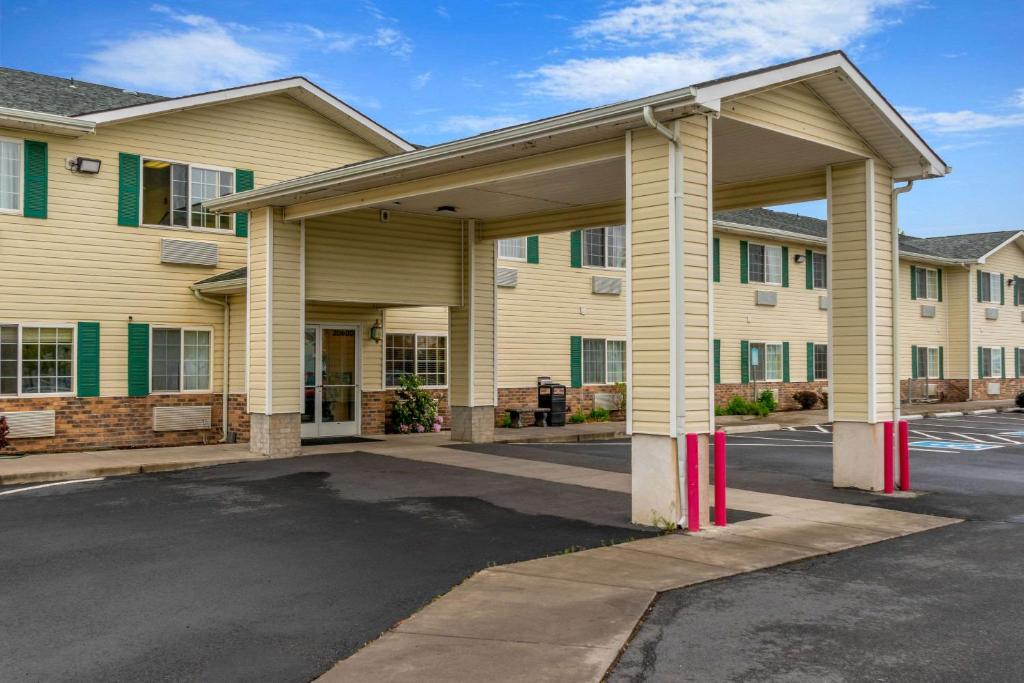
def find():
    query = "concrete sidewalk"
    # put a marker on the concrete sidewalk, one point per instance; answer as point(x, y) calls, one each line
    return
point(567, 617)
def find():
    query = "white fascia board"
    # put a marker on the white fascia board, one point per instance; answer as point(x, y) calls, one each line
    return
point(932, 165)
point(1002, 244)
point(344, 113)
point(22, 119)
point(771, 233)
point(223, 287)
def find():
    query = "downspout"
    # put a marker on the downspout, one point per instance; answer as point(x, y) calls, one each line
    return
point(227, 335)
point(971, 352)
point(896, 192)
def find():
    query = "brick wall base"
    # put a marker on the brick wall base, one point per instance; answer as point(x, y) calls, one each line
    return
point(376, 409)
point(783, 392)
point(575, 399)
point(123, 422)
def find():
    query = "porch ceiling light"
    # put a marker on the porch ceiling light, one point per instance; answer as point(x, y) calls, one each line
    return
point(446, 208)
point(377, 331)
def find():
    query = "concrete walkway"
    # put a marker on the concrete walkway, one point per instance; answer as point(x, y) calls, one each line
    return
point(567, 617)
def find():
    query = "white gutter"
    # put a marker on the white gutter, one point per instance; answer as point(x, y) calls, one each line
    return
point(895, 320)
point(225, 388)
point(49, 123)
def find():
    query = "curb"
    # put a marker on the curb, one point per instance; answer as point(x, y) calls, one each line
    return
point(948, 413)
point(742, 429)
point(42, 477)
point(566, 438)
point(984, 411)
point(915, 416)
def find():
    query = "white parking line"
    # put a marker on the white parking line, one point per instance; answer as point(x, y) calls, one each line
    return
point(925, 434)
point(46, 486)
point(964, 436)
point(821, 429)
point(824, 444)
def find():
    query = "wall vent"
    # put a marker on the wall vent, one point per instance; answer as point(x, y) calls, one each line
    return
point(991, 314)
point(763, 298)
point(608, 400)
point(31, 424)
point(927, 311)
point(190, 252)
point(993, 388)
point(181, 418)
point(931, 390)
point(606, 285)
point(823, 303)
point(506, 277)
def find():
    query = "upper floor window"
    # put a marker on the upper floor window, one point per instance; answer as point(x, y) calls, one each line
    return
point(173, 194)
point(605, 247)
point(926, 282)
point(764, 264)
point(819, 270)
point(36, 359)
point(989, 290)
point(512, 248)
point(10, 176)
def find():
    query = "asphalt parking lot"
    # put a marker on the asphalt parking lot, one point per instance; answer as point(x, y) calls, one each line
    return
point(944, 605)
point(261, 571)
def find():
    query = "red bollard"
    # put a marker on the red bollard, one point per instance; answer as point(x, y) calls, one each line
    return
point(719, 478)
point(887, 463)
point(904, 456)
point(692, 484)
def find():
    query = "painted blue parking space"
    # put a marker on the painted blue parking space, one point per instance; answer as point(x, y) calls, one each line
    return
point(954, 445)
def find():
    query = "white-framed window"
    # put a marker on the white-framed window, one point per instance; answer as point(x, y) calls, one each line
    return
point(605, 247)
point(990, 290)
point(819, 270)
point(513, 248)
point(991, 361)
point(423, 355)
point(927, 283)
point(179, 359)
point(604, 361)
point(12, 176)
point(929, 364)
point(37, 359)
point(766, 361)
point(764, 264)
point(173, 194)
point(821, 361)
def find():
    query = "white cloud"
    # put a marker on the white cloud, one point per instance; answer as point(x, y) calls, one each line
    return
point(392, 40)
point(1019, 100)
point(673, 43)
point(470, 124)
point(197, 54)
point(421, 80)
point(963, 121)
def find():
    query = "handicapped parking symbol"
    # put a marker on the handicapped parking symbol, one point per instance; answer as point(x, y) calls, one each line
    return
point(955, 445)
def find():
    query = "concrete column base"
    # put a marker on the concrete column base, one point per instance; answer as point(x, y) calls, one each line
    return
point(275, 436)
point(857, 455)
point(473, 424)
point(656, 498)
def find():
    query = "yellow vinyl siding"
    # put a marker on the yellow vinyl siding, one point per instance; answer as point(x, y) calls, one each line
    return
point(1008, 331)
point(883, 289)
point(803, 187)
point(957, 293)
point(419, 319)
point(484, 323)
point(915, 329)
point(78, 264)
point(596, 215)
point(796, 318)
point(257, 361)
point(550, 303)
point(286, 320)
point(410, 260)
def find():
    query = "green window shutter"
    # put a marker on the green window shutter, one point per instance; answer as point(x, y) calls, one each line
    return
point(914, 370)
point(785, 266)
point(913, 282)
point(128, 189)
point(576, 249)
point(810, 361)
point(717, 269)
point(939, 278)
point(243, 181)
point(1016, 291)
point(745, 362)
point(533, 249)
point(138, 359)
point(980, 276)
point(785, 361)
point(36, 171)
point(718, 361)
point(1002, 361)
point(743, 262)
point(576, 361)
point(1002, 290)
point(87, 350)
point(809, 269)
point(981, 361)
point(1016, 361)
point(942, 363)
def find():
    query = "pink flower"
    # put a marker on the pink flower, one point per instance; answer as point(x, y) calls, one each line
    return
point(404, 429)
point(420, 428)
point(437, 426)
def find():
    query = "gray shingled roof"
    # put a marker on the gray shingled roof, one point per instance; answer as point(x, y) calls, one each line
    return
point(53, 95)
point(236, 274)
point(956, 247)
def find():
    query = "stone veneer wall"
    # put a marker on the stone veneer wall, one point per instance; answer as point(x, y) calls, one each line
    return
point(122, 422)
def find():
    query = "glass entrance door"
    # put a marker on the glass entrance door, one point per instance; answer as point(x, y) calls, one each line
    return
point(330, 381)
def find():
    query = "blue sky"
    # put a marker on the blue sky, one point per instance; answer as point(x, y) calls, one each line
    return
point(434, 71)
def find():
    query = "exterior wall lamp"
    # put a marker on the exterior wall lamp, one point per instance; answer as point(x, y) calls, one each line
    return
point(377, 331)
point(799, 258)
point(84, 165)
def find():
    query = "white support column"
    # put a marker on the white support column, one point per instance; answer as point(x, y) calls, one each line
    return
point(472, 329)
point(670, 263)
point(861, 318)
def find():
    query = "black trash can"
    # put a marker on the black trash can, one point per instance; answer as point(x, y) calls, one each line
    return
point(551, 396)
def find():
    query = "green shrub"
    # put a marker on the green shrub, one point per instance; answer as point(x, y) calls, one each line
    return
point(506, 421)
point(767, 399)
point(415, 410)
point(579, 417)
point(738, 405)
point(599, 415)
point(806, 399)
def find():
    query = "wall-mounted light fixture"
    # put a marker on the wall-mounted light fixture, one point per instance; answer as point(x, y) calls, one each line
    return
point(446, 208)
point(799, 258)
point(84, 165)
point(377, 331)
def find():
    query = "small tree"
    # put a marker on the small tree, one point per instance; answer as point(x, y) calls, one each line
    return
point(415, 410)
